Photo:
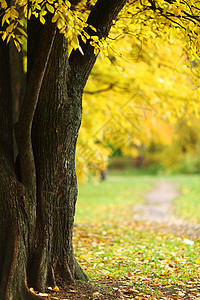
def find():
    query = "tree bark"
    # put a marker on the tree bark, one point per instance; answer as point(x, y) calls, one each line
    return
point(14, 222)
point(37, 208)
point(55, 132)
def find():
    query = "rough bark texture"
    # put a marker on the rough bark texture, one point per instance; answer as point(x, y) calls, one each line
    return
point(6, 127)
point(18, 79)
point(54, 140)
point(14, 223)
point(37, 203)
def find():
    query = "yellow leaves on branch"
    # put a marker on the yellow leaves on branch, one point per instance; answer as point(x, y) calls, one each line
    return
point(138, 20)
point(3, 4)
point(12, 23)
point(70, 23)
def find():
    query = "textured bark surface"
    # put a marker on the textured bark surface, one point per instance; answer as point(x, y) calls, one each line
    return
point(38, 195)
point(54, 140)
point(14, 223)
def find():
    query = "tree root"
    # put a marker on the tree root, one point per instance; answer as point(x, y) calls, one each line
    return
point(79, 273)
point(51, 280)
point(28, 295)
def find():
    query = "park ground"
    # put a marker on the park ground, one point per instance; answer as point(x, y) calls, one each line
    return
point(137, 237)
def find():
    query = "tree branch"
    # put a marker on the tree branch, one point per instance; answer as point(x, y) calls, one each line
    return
point(100, 90)
point(24, 125)
point(101, 17)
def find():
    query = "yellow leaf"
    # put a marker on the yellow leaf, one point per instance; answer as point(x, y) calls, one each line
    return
point(5, 18)
point(197, 261)
point(3, 4)
point(50, 8)
point(68, 4)
point(13, 12)
point(9, 37)
point(29, 14)
point(4, 35)
point(17, 45)
point(95, 38)
point(43, 294)
point(80, 49)
point(42, 20)
point(93, 28)
point(55, 18)
point(83, 39)
point(60, 23)
point(10, 28)
point(22, 31)
point(75, 42)
point(177, 11)
point(32, 290)
point(36, 6)
point(55, 289)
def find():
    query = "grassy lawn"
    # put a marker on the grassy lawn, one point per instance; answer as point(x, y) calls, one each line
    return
point(188, 204)
point(108, 244)
point(109, 199)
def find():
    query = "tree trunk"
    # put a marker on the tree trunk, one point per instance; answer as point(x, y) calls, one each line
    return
point(38, 196)
point(14, 222)
point(55, 132)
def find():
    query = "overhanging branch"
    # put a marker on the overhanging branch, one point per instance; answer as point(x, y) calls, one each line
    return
point(101, 17)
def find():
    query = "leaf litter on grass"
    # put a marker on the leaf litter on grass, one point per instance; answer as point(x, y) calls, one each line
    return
point(134, 259)
point(151, 263)
point(138, 262)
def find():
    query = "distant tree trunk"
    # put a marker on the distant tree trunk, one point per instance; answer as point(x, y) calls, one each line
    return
point(37, 201)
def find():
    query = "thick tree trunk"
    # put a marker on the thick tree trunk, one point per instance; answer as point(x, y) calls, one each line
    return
point(14, 218)
point(55, 132)
point(37, 203)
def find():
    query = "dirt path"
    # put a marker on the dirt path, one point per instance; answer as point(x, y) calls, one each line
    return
point(158, 211)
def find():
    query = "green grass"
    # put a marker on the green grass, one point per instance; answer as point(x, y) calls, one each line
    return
point(109, 244)
point(188, 204)
point(98, 199)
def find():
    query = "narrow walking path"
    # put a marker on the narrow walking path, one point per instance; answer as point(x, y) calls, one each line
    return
point(158, 211)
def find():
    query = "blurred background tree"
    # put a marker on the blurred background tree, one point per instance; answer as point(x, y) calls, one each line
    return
point(142, 103)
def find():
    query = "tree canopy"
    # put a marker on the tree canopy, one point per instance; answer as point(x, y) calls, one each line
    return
point(141, 19)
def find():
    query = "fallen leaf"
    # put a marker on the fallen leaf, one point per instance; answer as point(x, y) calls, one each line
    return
point(180, 293)
point(73, 291)
point(129, 274)
point(96, 294)
point(32, 290)
point(55, 289)
point(43, 294)
point(197, 261)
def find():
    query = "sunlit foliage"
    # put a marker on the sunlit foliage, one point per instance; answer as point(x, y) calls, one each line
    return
point(135, 99)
